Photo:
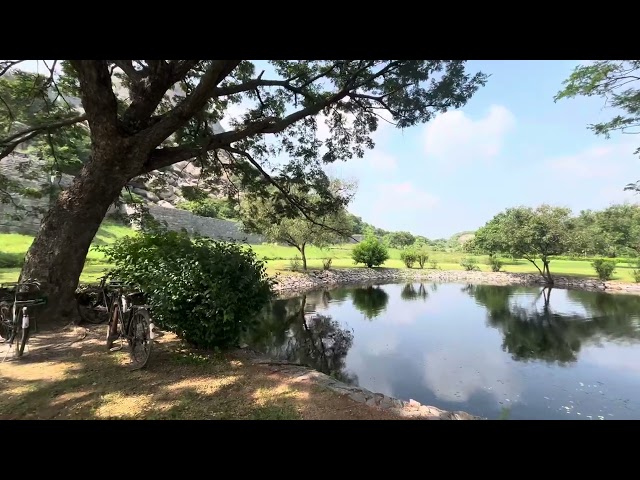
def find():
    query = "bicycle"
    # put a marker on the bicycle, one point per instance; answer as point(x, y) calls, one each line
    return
point(130, 321)
point(94, 307)
point(14, 316)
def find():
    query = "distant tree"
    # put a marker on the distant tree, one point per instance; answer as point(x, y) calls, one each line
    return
point(618, 83)
point(400, 239)
point(266, 216)
point(528, 233)
point(358, 225)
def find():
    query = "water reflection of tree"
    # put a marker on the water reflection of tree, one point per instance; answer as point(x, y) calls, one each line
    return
point(409, 292)
point(287, 331)
point(531, 333)
point(371, 301)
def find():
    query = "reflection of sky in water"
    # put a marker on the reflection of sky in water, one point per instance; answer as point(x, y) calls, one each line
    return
point(443, 351)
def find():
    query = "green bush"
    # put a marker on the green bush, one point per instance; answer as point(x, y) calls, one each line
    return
point(11, 260)
point(422, 256)
point(470, 264)
point(636, 275)
point(326, 263)
point(434, 265)
point(205, 208)
point(604, 268)
point(207, 292)
point(495, 263)
point(409, 257)
point(210, 207)
point(370, 251)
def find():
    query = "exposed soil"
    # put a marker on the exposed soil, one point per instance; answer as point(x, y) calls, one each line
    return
point(68, 374)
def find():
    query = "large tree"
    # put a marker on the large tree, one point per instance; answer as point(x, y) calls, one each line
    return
point(618, 83)
point(144, 115)
point(532, 234)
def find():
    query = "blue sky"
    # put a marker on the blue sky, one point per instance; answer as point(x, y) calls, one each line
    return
point(510, 145)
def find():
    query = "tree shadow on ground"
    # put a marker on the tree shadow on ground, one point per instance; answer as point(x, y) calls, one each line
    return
point(58, 379)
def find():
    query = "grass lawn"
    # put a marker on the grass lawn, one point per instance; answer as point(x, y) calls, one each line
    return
point(278, 258)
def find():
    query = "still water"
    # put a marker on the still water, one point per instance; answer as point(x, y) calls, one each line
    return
point(497, 352)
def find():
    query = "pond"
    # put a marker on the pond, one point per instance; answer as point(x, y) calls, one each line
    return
point(499, 352)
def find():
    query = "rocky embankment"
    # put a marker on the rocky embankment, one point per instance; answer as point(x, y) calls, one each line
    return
point(300, 282)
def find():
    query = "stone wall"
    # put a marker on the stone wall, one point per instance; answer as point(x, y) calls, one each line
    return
point(29, 173)
point(209, 227)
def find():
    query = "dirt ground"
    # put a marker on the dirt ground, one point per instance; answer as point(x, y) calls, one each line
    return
point(68, 374)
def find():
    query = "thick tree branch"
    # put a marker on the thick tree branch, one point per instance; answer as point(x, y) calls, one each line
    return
point(98, 98)
point(9, 143)
point(160, 81)
point(45, 126)
point(127, 67)
point(182, 113)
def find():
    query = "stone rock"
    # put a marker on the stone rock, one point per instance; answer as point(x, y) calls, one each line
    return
point(166, 193)
point(358, 397)
point(152, 197)
point(165, 204)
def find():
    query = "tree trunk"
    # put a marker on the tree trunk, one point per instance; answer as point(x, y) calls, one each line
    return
point(546, 273)
point(56, 257)
point(304, 258)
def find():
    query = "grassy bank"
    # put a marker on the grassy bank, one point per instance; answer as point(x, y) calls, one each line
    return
point(278, 258)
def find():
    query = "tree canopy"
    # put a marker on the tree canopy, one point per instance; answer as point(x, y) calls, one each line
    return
point(618, 83)
point(525, 232)
point(145, 115)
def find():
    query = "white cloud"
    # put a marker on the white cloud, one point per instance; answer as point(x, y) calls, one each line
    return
point(606, 160)
point(405, 196)
point(454, 138)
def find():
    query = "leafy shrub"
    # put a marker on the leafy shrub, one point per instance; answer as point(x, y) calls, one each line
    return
point(205, 208)
point(193, 194)
point(470, 264)
point(636, 275)
point(604, 268)
point(495, 263)
point(434, 265)
point(422, 256)
point(205, 291)
point(210, 207)
point(295, 263)
point(11, 260)
point(370, 251)
point(326, 263)
point(409, 258)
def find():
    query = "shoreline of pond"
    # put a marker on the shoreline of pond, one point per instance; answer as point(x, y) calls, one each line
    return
point(300, 282)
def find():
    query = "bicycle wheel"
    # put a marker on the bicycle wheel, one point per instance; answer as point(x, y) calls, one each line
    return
point(113, 327)
point(140, 343)
point(92, 308)
point(6, 318)
point(21, 336)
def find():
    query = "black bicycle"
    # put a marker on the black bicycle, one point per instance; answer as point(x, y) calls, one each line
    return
point(16, 299)
point(94, 303)
point(129, 320)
